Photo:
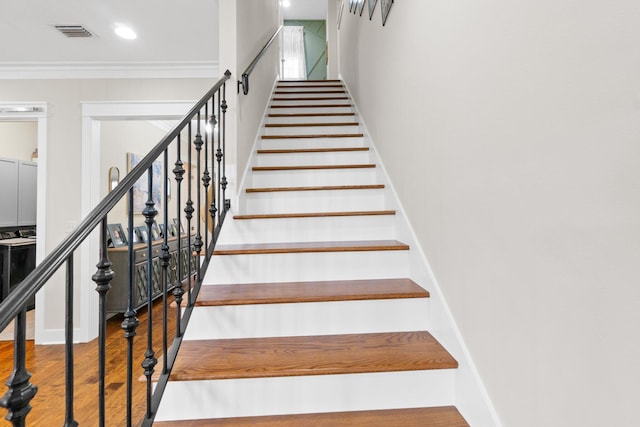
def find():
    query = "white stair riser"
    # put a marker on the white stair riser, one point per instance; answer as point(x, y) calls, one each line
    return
point(225, 269)
point(312, 318)
point(372, 227)
point(292, 143)
point(351, 176)
point(299, 395)
point(312, 110)
point(315, 201)
point(322, 158)
point(312, 130)
point(310, 119)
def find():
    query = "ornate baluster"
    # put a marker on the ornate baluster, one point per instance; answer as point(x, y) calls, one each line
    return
point(212, 207)
point(149, 361)
point(103, 278)
point(227, 203)
point(198, 142)
point(188, 210)
point(130, 322)
point(206, 176)
point(178, 291)
point(69, 420)
point(219, 160)
point(17, 399)
point(165, 258)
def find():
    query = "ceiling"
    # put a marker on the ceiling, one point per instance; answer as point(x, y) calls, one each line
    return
point(175, 34)
point(169, 31)
point(305, 9)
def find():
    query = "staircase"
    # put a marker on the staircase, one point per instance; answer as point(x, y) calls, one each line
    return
point(308, 315)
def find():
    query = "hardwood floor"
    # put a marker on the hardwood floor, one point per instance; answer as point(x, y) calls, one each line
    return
point(46, 364)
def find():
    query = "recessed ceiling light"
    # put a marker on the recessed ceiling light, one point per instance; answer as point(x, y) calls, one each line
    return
point(125, 32)
point(286, 3)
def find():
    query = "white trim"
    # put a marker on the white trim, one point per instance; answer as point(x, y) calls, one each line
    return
point(92, 114)
point(109, 70)
point(41, 118)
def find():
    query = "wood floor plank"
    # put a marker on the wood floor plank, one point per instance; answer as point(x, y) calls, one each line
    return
point(308, 247)
point(293, 292)
point(310, 355)
point(311, 167)
point(312, 150)
point(442, 416)
point(330, 135)
point(319, 188)
point(313, 215)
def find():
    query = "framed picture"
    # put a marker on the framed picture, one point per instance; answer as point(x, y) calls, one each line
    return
point(141, 187)
point(155, 232)
point(178, 226)
point(143, 235)
point(340, 13)
point(116, 235)
point(385, 6)
point(352, 5)
point(361, 6)
point(163, 230)
point(172, 230)
point(136, 238)
point(372, 7)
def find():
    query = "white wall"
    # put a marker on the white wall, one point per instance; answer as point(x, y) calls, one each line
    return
point(511, 132)
point(245, 28)
point(18, 140)
point(64, 145)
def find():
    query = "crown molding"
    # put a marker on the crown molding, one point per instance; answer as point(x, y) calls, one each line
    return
point(108, 70)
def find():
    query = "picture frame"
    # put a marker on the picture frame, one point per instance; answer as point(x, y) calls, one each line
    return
point(172, 230)
point(372, 7)
point(155, 232)
point(163, 230)
point(340, 11)
point(136, 237)
point(116, 236)
point(143, 235)
point(360, 6)
point(140, 188)
point(385, 7)
point(178, 225)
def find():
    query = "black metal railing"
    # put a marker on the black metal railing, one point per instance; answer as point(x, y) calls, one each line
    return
point(247, 72)
point(155, 277)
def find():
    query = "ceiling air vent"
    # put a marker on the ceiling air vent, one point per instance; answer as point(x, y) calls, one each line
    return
point(73, 30)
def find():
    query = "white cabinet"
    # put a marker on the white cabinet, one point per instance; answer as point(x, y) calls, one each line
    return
point(18, 192)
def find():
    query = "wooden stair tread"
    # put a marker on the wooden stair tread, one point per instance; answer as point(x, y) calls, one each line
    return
point(312, 150)
point(310, 81)
point(311, 98)
point(440, 416)
point(318, 188)
point(301, 125)
point(315, 136)
point(279, 87)
point(309, 114)
point(307, 247)
point(313, 215)
point(311, 167)
point(312, 106)
point(310, 355)
point(294, 292)
point(306, 92)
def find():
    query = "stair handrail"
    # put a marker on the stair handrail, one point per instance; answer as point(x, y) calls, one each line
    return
point(11, 306)
point(20, 391)
point(247, 72)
